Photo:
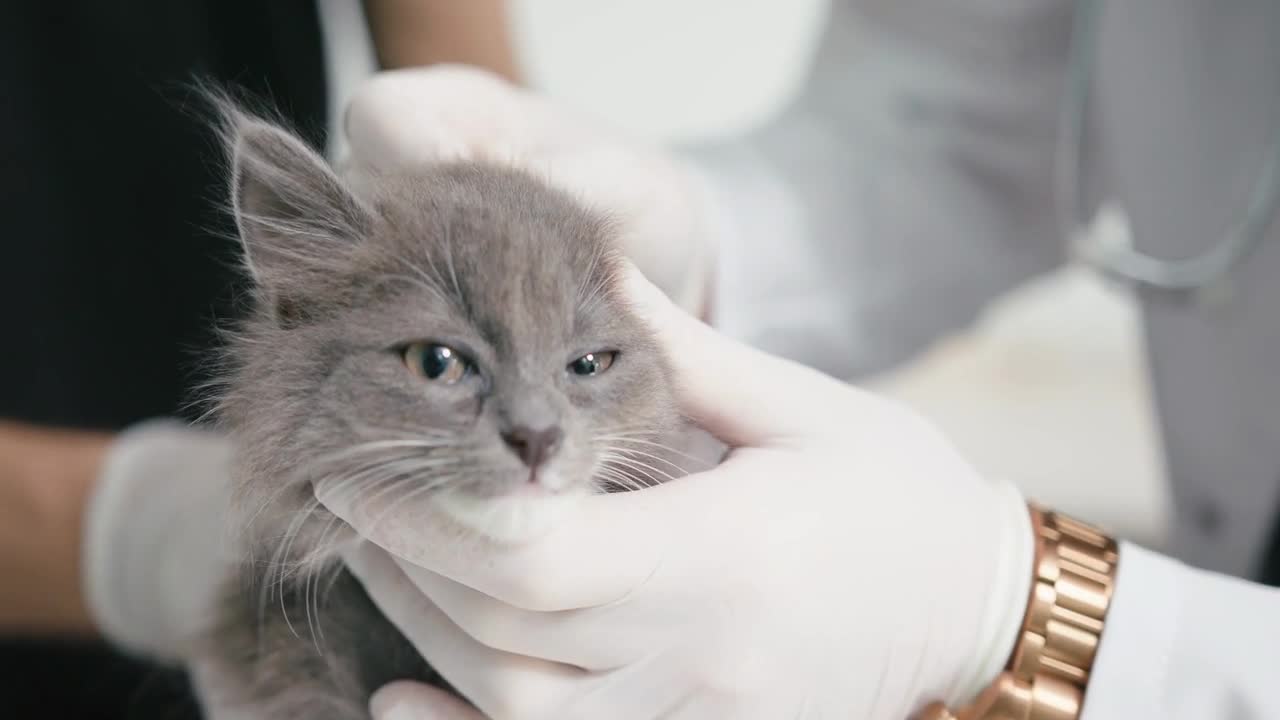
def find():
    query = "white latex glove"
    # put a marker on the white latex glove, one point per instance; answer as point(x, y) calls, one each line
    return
point(156, 544)
point(665, 217)
point(157, 548)
point(843, 562)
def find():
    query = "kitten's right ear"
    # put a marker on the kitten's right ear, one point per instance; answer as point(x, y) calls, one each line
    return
point(296, 219)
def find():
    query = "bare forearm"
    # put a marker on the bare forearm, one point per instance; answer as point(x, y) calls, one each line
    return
point(410, 33)
point(45, 480)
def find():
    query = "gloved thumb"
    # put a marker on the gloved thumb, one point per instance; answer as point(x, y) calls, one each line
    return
point(404, 700)
point(743, 396)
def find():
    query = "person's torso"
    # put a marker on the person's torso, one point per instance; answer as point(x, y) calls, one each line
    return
point(117, 252)
point(117, 258)
point(1186, 100)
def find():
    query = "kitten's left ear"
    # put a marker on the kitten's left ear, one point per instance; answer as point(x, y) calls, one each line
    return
point(295, 216)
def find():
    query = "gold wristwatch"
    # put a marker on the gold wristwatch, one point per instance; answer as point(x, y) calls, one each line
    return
point(1048, 673)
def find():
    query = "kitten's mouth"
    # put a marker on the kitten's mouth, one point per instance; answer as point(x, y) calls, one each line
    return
point(541, 481)
point(536, 485)
point(533, 487)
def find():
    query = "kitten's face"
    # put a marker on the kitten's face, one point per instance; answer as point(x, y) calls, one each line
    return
point(455, 334)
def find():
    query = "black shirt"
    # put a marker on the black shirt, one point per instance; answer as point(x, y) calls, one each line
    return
point(117, 257)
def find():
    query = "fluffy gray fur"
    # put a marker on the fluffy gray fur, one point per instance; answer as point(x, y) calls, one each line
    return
point(487, 260)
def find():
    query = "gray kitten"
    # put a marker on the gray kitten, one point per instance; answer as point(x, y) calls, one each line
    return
point(455, 331)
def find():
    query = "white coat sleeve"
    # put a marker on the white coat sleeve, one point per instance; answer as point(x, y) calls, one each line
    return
point(909, 182)
point(1183, 643)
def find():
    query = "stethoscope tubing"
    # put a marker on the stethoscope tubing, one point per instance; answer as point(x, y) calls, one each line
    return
point(1121, 262)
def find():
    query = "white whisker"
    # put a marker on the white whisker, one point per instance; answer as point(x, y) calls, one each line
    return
point(631, 439)
point(635, 464)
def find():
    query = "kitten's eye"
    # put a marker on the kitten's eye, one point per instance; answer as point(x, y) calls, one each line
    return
point(592, 363)
point(436, 362)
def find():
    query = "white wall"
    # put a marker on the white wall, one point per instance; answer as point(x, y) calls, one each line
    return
point(669, 69)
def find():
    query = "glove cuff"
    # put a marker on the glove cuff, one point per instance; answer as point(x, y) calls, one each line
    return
point(1010, 588)
point(154, 542)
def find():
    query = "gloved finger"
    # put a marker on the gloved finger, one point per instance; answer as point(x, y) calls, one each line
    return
point(417, 115)
point(596, 639)
point(524, 575)
point(405, 700)
point(646, 690)
point(703, 674)
point(699, 706)
point(503, 686)
point(741, 395)
point(610, 547)
point(453, 112)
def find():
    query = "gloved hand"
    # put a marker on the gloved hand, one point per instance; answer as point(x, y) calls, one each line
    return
point(158, 548)
point(842, 562)
point(156, 542)
point(664, 213)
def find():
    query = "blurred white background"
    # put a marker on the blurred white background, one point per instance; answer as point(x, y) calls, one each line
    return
point(1049, 390)
point(668, 69)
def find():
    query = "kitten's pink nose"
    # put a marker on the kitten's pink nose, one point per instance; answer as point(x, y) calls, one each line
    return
point(533, 446)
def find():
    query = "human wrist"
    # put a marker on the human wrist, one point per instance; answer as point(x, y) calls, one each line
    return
point(46, 477)
point(1068, 608)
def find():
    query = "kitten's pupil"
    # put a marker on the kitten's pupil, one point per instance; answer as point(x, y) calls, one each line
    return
point(585, 365)
point(592, 363)
point(435, 362)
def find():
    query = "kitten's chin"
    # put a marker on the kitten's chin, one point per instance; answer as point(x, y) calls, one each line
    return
point(515, 518)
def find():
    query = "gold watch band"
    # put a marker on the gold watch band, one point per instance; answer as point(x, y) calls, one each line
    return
point(1049, 671)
